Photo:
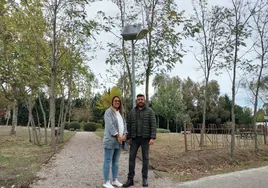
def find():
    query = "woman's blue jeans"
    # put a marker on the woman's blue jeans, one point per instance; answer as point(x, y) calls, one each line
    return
point(110, 155)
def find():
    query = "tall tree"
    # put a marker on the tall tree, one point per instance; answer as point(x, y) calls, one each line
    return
point(261, 48)
point(211, 41)
point(237, 18)
point(63, 16)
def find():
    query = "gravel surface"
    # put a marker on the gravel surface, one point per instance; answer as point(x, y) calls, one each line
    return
point(79, 165)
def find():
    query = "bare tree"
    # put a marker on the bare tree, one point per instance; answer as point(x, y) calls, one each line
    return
point(237, 19)
point(260, 28)
point(211, 41)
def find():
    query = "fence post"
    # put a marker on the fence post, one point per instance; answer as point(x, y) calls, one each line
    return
point(264, 133)
point(185, 137)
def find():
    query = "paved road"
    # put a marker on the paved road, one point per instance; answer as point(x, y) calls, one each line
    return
point(252, 178)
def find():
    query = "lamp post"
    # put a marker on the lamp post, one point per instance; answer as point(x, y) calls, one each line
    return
point(133, 33)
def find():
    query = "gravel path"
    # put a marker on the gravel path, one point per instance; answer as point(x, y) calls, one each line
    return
point(79, 165)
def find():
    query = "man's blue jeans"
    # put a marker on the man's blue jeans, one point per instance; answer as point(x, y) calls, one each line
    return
point(110, 155)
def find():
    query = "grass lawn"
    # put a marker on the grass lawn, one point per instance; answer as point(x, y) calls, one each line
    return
point(20, 160)
point(99, 132)
point(167, 158)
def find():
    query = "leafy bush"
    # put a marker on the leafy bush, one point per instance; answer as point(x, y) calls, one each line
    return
point(71, 129)
point(99, 125)
point(90, 126)
point(66, 126)
point(74, 125)
point(159, 130)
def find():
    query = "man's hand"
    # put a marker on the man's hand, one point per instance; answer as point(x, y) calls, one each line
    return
point(151, 142)
point(129, 141)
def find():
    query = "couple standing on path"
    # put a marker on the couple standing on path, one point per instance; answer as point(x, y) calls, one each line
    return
point(141, 131)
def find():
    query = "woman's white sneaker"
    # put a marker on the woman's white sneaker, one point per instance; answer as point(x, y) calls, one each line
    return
point(108, 185)
point(117, 183)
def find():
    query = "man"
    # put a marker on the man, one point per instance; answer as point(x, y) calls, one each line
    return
point(141, 128)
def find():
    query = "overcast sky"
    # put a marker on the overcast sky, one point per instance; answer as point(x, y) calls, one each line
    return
point(189, 67)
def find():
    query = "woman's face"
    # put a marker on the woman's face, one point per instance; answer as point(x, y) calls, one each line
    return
point(116, 102)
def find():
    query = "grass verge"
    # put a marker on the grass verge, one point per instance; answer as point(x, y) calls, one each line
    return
point(20, 160)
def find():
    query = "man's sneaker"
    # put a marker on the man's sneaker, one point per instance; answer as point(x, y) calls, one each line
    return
point(117, 183)
point(108, 185)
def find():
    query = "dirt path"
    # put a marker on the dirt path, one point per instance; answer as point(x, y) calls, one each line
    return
point(79, 165)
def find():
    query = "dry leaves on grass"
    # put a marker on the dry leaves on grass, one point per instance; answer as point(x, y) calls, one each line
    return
point(168, 155)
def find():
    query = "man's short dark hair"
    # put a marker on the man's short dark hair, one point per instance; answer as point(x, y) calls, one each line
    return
point(140, 95)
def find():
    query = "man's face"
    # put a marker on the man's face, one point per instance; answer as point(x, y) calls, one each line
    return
point(140, 101)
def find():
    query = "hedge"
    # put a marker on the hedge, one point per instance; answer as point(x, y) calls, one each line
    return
point(74, 125)
point(92, 126)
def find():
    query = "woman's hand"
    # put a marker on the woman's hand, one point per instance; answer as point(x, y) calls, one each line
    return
point(119, 139)
point(123, 138)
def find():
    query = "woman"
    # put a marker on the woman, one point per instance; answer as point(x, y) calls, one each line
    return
point(114, 134)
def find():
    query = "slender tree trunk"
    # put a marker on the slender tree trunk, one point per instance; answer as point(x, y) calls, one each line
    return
point(204, 116)
point(8, 116)
point(208, 64)
point(29, 130)
point(53, 77)
point(147, 85)
point(48, 124)
point(61, 110)
point(167, 124)
point(158, 121)
point(31, 120)
point(14, 117)
point(149, 67)
point(35, 136)
point(233, 99)
point(66, 110)
point(60, 117)
point(44, 116)
point(256, 103)
point(38, 122)
point(127, 64)
point(52, 110)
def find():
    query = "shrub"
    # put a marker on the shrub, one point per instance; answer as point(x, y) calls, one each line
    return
point(71, 129)
point(74, 125)
point(159, 130)
point(99, 125)
point(66, 126)
point(92, 126)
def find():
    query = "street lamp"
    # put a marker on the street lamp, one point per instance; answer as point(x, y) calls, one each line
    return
point(133, 33)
